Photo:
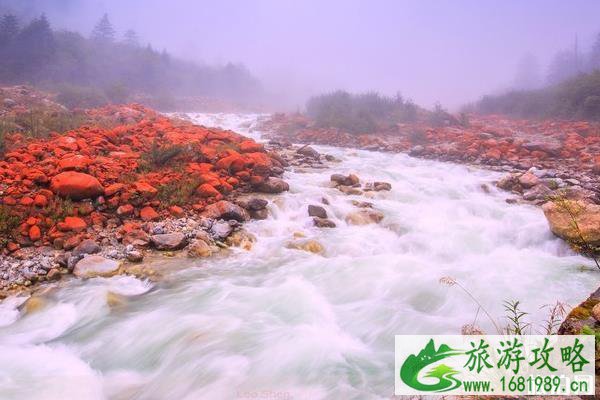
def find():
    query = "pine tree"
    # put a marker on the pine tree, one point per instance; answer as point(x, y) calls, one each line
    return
point(35, 48)
point(131, 38)
point(595, 54)
point(104, 31)
point(9, 29)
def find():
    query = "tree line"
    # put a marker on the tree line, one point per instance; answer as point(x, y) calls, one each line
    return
point(93, 70)
point(571, 89)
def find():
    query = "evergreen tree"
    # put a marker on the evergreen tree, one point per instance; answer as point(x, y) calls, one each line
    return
point(131, 38)
point(104, 31)
point(9, 29)
point(35, 48)
point(594, 58)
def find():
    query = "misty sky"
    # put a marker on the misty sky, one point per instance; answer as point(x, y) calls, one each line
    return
point(451, 51)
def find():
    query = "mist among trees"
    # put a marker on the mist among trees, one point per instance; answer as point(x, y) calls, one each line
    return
point(106, 67)
point(571, 90)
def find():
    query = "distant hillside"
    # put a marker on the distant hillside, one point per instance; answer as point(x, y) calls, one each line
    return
point(575, 98)
point(102, 68)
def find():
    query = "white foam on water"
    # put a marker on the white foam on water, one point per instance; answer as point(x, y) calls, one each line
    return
point(283, 323)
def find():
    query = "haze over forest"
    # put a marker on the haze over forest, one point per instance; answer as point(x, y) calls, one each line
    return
point(451, 52)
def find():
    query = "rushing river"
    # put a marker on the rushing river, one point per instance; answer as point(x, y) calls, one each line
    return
point(278, 323)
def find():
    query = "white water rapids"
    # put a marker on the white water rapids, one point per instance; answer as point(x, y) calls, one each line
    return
point(279, 323)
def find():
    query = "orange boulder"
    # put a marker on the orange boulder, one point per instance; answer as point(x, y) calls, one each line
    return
point(76, 185)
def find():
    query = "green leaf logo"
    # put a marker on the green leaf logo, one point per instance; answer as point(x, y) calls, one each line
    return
point(413, 365)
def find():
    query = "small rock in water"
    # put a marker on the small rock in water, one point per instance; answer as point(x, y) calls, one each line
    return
point(323, 223)
point(115, 300)
point(255, 204)
point(349, 190)
point(362, 204)
point(92, 266)
point(259, 214)
point(364, 217)
point(308, 151)
point(33, 304)
point(134, 256)
point(316, 211)
point(241, 238)
point(379, 186)
point(311, 246)
point(273, 185)
point(221, 229)
point(342, 180)
point(198, 249)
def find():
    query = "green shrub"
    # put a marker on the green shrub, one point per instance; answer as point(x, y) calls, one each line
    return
point(159, 156)
point(178, 192)
point(9, 221)
point(58, 209)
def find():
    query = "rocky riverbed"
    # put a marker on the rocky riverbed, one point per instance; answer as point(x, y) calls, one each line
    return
point(95, 200)
point(554, 164)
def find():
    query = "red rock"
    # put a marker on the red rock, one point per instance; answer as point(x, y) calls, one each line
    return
point(146, 189)
point(113, 189)
point(40, 200)
point(35, 233)
point(74, 163)
point(250, 146)
point(72, 242)
point(207, 190)
point(76, 185)
point(9, 201)
point(124, 210)
point(176, 211)
point(74, 224)
point(12, 246)
point(136, 237)
point(26, 201)
point(148, 214)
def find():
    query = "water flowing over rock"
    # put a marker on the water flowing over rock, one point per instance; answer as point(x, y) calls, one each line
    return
point(364, 217)
point(316, 211)
point(323, 223)
point(199, 249)
point(309, 245)
point(241, 238)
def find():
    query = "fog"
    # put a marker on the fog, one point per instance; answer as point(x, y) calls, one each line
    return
point(451, 52)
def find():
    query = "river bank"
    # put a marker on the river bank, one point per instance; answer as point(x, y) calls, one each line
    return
point(124, 182)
